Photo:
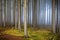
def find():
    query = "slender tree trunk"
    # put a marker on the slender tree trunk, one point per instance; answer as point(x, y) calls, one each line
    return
point(11, 11)
point(6, 12)
point(25, 19)
point(56, 16)
point(3, 16)
point(19, 12)
point(1, 12)
point(53, 17)
point(39, 13)
point(34, 13)
point(28, 12)
point(15, 14)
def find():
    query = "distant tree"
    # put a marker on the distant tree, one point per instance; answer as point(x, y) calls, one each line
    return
point(53, 17)
point(12, 1)
point(6, 11)
point(3, 11)
point(34, 13)
point(15, 13)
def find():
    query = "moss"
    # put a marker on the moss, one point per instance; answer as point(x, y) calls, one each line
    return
point(33, 34)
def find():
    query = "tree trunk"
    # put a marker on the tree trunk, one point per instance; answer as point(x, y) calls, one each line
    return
point(15, 4)
point(3, 15)
point(25, 19)
point(6, 12)
point(19, 12)
point(1, 12)
point(34, 14)
point(53, 17)
point(12, 5)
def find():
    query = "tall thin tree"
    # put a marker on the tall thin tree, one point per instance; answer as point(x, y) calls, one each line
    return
point(15, 4)
point(3, 16)
point(25, 19)
point(19, 12)
point(12, 11)
point(53, 16)
point(1, 12)
point(6, 11)
point(34, 13)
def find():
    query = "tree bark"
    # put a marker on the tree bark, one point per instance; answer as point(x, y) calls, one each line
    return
point(34, 14)
point(6, 12)
point(12, 5)
point(53, 17)
point(1, 12)
point(3, 15)
point(19, 13)
point(25, 19)
point(15, 14)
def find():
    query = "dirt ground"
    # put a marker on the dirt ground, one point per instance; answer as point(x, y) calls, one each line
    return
point(10, 37)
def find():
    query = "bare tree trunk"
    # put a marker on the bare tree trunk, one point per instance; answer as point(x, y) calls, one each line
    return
point(14, 11)
point(56, 16)
point(11, 11)
point(28, 12)
point(25, 19)
point(38, 12)
point(53, 17)
point(15, 14)
point(6, 12)
point(19, 12)
point(3, 16)
point(1, 12)
point(34, 14)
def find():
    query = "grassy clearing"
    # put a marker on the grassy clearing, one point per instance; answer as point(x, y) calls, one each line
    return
point(33, 34)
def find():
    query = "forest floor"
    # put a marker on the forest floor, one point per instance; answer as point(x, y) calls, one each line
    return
point(34, 34)
point(10, 37)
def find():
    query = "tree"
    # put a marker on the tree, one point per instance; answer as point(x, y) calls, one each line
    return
point(34, 13)
point(6, 11)
point(25, 19)
point(53, 17)
point(3, 11)
point(12, 5)
point(15, 4)
point(19, 12)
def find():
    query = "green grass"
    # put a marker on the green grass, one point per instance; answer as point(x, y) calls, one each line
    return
point(34, 34)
